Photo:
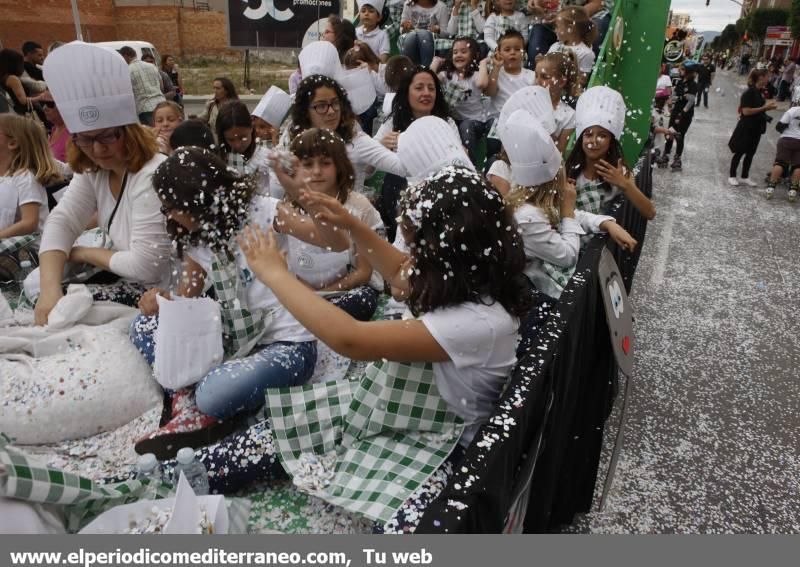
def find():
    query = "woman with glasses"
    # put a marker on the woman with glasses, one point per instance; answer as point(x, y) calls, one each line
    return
point(321, 102)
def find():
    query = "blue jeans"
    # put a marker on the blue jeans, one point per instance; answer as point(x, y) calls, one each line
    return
point(472, 132)
point(539, 41)
point(418, 46)
point(602, 28)
point(360, 302)
point(238, 385)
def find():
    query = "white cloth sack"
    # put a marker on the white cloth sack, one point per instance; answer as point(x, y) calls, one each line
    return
point(188, 340)
point(73, 383)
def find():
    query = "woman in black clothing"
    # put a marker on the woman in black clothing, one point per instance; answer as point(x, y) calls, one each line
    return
point(684, 99)
point(752, 124)
point(11, 69)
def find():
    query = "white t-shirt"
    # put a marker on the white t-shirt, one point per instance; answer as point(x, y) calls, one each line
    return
point(583, 53)
point(664, 82)
point(17, 190)
point(321, 267)
point(282, 326)
point(792, 118)
point(377, 39)
point(508, 85)
point(472, 107)
point(481, 341)
point(565, 118)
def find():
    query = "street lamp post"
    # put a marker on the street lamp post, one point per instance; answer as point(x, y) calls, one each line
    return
point(76, 17)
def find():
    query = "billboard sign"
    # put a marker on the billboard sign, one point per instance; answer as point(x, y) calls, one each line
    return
point(278, 23)
point(778, 35)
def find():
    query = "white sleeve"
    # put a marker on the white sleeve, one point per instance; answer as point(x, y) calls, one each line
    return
point(452, 26)
point(500, 169)
point(490, 32)
point(467, 347)
point(586, 62)
point(478, 20)
point(787, 116)
point(69, 219)
point(522, 21)
point(591, 222)
point(29, 190)
point(385, 128)
point(149, 247)
point(374, 154)
point(378, 83)
point(384, 43)
point(559, 247)
point(443, 16)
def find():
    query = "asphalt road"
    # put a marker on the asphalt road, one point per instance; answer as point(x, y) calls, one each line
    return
point(712, 440)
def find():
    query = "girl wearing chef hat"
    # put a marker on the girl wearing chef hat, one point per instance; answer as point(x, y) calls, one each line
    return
point(113, 158)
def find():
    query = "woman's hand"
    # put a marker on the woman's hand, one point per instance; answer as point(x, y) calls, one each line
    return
point(390, 140)
point(262, 252)
point(771, 105)
point(44, 305)
point(619, 235)
point(615, 175)
point(148, 303)
point(327, 209)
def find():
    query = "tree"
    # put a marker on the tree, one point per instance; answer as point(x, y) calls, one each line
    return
point(761, 19)
point(729, 37)
point(794, 18)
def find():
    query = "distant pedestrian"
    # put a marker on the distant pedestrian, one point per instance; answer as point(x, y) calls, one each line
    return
point(146, 81)
point(752, 124)
point(705, 78)
point(223, 92)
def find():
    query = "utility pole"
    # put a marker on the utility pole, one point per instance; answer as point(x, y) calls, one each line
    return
point(76, 17)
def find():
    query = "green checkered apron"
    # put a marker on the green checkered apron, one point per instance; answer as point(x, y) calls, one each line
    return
point(392, 26)
point(242, 328)
point(25, 479)
point(14, 244)
point(559, 275)
point(382, 437)
point(465, 27)
point(592, 196)
point(455, 94)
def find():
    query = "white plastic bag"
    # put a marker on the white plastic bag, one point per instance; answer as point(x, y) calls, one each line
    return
point(188, 340)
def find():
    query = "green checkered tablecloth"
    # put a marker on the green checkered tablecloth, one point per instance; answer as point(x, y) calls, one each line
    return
point(592, 196)
point(387, 435)
point(14, 244)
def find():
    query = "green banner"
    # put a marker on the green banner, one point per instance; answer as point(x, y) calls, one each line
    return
point(629, 62)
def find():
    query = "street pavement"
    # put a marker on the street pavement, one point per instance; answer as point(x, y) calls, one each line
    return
point(712, 438)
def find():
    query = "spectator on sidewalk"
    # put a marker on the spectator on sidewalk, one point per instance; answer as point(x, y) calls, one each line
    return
point(146, 82)
point(167, 87)
point(752, 124)
point(170, 67)
point(787, 78)
point(705, 78)
point(223, 92)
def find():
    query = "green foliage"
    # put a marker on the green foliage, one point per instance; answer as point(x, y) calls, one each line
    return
point(759, 20)
point(794, 18)
point(729, 38)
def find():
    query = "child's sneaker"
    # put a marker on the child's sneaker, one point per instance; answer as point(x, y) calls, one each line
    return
point(676, 164)
point(732, 181)
point(662, 161)
point(770, 191)
point(750, 182)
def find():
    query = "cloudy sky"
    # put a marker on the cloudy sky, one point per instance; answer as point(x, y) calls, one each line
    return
point(712, 18)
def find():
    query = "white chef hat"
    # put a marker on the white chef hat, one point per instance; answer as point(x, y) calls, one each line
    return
point(91, 86)
point(428, 145)
point(359, 87)
point(534, 157)
point(273, 106)
point(320, 58)
point(536, 100)
point(600, 106)
point(377, 4)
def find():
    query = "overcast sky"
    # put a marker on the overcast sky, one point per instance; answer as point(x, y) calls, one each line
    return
point(712, 18)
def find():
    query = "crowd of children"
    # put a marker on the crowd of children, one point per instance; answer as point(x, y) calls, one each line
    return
point(272, 214)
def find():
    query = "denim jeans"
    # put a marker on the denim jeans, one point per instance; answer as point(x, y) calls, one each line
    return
point(602, 28)
point(238, 385)
point(360, 302)
point(472, 132)
point(540, 39)
point(418, 46)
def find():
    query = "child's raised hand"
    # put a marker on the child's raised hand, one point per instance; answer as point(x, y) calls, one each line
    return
point(568, 198)
point(619, 235)
point(262, 252)
point(497, 59)
point(615, 175)
point(326, 208)
point(286, 165)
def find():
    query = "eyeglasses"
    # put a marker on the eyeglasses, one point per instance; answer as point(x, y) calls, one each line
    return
point(104, 139)
point(323, 107)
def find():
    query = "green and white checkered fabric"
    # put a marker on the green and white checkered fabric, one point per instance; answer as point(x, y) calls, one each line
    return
point(14, 244)
point(392, 26)
point(454, 94)
point(242, 328)
point(390, 433)
point(465, 27)
point(592, 197)
point(558, 274)
point(24, 479)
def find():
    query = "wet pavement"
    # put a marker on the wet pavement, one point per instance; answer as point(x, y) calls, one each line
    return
point(712, 439)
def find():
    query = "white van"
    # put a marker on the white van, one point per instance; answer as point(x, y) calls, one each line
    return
point(141, 48)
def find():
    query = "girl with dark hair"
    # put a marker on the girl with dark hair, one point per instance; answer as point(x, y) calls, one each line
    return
point(341, 33)
point(238, 146)
point(597, 163)
point(12, 66)
point(206, 204)
point(684, 100)
point(370, 30)
point(170, 67)
point(464, 76)
point(345, 277)
point(751, 126)
point(420, 94)
point(321, 102)
point(223, 92)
